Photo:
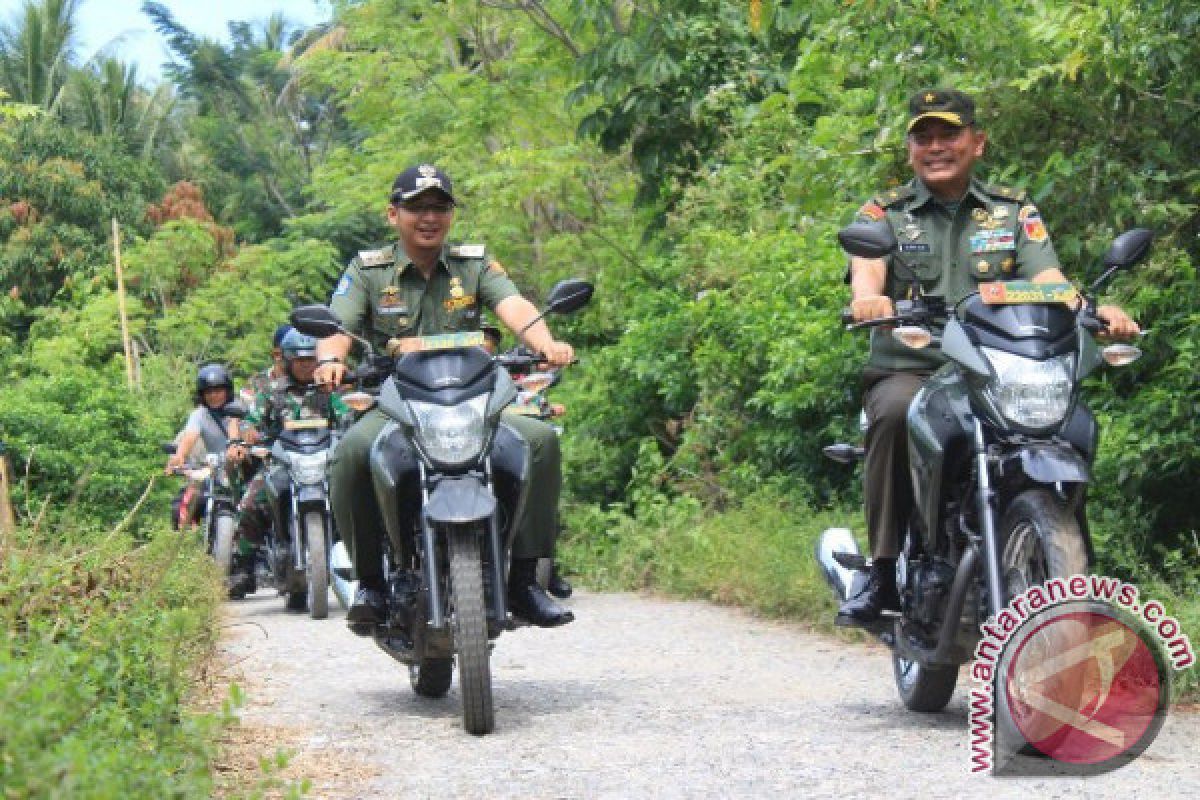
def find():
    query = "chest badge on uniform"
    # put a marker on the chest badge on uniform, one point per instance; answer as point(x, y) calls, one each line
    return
point(913, 231)
point(1007, 264)
point(979, 214)
point(456, 289)
point(983, 267)
point(390, 302)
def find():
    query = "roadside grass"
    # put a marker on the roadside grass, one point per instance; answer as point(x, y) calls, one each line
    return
point(102, 638)
point(758, 555)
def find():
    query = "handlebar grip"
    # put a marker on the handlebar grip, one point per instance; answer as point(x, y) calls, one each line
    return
point(847, 316)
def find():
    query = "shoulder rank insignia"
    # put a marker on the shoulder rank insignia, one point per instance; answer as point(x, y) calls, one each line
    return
point(895, 196)
point(376, 258)
point(1006, 192)
point(466, 251)
point(497, 267)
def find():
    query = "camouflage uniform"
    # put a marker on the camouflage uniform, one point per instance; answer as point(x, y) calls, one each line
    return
point(277, 401)
point(383, 295)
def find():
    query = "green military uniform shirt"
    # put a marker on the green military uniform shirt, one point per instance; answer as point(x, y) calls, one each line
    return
point(382, 294)
point(992, 234)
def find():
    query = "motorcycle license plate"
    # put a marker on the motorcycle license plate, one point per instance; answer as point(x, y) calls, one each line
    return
point(999, 293)
point(449, 341)
point(304, 424)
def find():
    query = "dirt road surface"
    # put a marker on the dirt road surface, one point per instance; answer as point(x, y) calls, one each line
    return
point(639, 698)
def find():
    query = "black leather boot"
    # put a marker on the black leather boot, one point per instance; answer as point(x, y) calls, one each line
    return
point(558, 585)
point(877, 595)
point(369, 608)
point(529, 600)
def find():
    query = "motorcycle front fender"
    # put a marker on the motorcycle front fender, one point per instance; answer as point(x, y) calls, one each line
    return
point(310, 496)
point(458, 501)
point(1053, 463)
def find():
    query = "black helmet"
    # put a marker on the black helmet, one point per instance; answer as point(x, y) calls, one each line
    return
point(298, 345)
point(213, 376)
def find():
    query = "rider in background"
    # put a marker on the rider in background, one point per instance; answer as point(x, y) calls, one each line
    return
point(207, 430)
point(292, 396)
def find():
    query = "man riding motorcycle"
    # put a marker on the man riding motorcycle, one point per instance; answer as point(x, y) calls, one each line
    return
point(954, 232)
point(288, 397)
point(419, 287)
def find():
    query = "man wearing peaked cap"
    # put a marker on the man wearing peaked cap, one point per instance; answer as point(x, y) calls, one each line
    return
point(954, 232)
point(420, 286)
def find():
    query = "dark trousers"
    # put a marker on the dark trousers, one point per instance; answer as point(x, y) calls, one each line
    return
point(887, 484)
point(361, 525)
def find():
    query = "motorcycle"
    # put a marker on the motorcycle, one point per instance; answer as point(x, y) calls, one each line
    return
point(298, 541)
point(219, 495)
point(1000, 448)
point(450, 479)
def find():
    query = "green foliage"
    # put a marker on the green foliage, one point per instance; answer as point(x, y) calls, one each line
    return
point(61, 190)
point(101, 643)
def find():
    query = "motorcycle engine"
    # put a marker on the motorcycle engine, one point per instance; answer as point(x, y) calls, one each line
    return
point(928, 581)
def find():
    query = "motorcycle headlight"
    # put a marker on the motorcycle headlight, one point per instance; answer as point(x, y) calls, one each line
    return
point(1030, 393)
point(450, 435)
point(308, 467)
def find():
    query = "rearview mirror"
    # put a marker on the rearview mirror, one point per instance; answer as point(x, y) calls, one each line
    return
point(316, 320)
point(868, 239)
point(1129, 248)
point(569, 295)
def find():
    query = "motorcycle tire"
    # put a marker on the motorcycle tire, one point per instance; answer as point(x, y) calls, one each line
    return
point(923, 687)
point(431, 678)
point(222, 544)
point(318, 565)
point(1039, 540)
point(470, 631)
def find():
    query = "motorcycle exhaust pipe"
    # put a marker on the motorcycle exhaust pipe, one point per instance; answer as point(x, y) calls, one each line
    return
point(841, 562)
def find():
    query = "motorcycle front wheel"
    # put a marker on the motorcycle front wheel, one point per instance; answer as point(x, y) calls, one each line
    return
point(318, 565)
point(222, 544)
point(470, 630)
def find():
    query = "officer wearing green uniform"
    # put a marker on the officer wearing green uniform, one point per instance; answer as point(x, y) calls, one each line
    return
point(954, 233)
point(420, 287)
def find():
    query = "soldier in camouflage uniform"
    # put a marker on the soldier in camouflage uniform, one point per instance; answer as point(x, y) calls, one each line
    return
point(262, 383)
point(420, 287)
point(954, 232)
point(293, 396)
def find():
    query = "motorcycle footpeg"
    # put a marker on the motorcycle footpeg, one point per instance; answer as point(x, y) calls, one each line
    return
point(853, 561)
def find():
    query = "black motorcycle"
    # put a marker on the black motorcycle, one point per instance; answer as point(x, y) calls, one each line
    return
point(298, 542)
point(1000, 449)
point(450, 479)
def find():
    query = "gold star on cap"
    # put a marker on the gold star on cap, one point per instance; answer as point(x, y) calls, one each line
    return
point(930, 97)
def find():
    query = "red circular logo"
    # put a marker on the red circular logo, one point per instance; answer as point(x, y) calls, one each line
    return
point(1084, 688)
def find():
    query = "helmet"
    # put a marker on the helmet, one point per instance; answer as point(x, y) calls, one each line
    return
point(213, 376)
point(280, 332)
point(298, 345)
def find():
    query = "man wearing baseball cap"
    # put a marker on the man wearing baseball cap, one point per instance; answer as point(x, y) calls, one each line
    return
point(954, 232)
point(420, 286)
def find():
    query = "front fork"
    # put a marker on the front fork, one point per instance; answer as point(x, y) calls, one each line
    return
point(987, 523)
point(437, 609)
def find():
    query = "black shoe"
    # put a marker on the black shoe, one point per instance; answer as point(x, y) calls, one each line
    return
point(368, 610)
point(528, 600)
point(240, 584)
point(877, 595)
point(558, 585)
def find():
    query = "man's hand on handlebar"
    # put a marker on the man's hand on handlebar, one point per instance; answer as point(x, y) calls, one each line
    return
point(865, 309)
point(558, 354)
point(330, 373)
point(1118, 324)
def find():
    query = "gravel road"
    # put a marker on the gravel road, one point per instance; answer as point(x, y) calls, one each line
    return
point(639, 698)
